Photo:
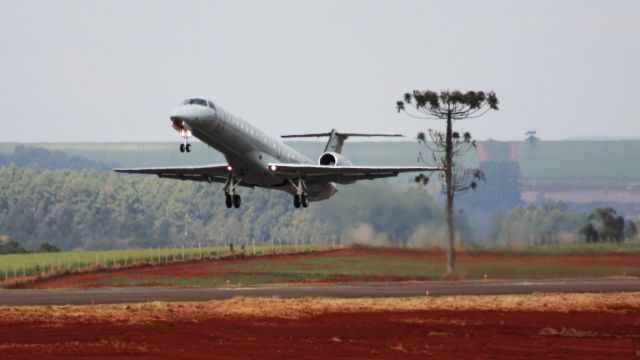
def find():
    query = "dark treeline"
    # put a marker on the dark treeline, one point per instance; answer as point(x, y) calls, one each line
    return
point(93, 210)
point(37, 157)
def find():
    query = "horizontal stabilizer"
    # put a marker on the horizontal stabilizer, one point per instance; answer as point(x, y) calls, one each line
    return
point(336, 139)
point(346, 135)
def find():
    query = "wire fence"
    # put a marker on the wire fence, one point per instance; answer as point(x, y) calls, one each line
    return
point(20, 268)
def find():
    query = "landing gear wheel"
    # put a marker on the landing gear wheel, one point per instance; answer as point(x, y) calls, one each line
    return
point(236, 201)
point(296, 201)
point(188, 147)
point(305, 201)
point(228, 201)
point(182, 147)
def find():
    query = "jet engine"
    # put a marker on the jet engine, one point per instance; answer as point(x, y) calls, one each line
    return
point(333, 159)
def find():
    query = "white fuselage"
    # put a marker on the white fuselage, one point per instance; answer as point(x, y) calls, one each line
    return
point(248, 150)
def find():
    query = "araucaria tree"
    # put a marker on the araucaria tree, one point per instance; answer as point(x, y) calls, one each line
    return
point(447, 147)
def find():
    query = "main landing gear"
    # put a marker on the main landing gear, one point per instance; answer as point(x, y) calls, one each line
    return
point(231, 199)
point(300, 198)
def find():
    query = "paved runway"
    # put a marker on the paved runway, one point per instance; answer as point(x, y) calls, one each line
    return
point(397, 289)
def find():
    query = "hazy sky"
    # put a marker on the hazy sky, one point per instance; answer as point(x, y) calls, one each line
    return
point(114, 70)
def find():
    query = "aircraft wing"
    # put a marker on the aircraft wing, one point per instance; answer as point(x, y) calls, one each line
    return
point(325, 173)
point(208, 173)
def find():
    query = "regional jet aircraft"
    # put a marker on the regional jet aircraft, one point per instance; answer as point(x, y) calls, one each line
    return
point(256, 160)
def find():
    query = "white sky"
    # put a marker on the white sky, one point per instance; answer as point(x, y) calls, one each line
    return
point(113, 70)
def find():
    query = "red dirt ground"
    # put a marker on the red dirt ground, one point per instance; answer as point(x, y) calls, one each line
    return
point(372, 335)
point(208, 268)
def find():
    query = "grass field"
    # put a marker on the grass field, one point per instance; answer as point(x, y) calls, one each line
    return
point(45, 264)
point(565, 249)
point(357, 264)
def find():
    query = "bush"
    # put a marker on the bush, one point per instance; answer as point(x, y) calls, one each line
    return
point(48, 248)
point(11, 247)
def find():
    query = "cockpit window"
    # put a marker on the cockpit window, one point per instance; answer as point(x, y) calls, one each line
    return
point(211, 105)
point(195, 102)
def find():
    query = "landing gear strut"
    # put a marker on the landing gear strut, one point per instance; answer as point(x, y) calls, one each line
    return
point(300, 198)
point(231, 199)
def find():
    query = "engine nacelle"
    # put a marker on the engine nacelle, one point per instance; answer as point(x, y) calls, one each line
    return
point(333, 159)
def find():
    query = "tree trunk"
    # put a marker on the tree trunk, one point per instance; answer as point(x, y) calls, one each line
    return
point(451, 255)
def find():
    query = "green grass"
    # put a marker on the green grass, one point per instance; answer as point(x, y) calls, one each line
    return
point(563, 249)
point(364, 268)
point(542, 271)
point(32, 264)
point(304, 269)
point(316, 268)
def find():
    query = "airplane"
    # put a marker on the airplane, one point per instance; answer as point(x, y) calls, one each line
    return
point(257, 160)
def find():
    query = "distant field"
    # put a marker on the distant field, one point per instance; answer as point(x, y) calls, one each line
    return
point(584, 163)
point(372, 264)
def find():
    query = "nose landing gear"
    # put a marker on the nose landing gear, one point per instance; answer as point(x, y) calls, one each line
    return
point(185, 147)
point(186, 134)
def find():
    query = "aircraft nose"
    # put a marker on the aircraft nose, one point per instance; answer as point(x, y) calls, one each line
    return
point(181, 114)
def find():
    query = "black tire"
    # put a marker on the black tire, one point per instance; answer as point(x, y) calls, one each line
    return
point(182, 147)
point(228, 201)
point(188, 148)
point(237, 201)
point(305, 201)
point(296, 201)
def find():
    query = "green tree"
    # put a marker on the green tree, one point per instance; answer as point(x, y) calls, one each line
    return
point(12, 247)
point(449, 145)
point(609, 226)
point(536, 224)
point(590, 233)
